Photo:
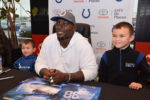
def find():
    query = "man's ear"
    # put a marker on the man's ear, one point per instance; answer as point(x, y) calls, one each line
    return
point(74, 27)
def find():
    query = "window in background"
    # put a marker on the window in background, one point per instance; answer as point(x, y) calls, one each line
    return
point(134, 13)
point(134, 18)
point(23, 22)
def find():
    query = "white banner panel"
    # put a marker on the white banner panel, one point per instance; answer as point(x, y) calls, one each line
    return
point(101, 15)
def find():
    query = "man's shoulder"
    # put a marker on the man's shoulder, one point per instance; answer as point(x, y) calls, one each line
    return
point(78, 35)
point(78, 38)
point(50, 38)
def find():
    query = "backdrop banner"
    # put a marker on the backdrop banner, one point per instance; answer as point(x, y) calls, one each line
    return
point(100, 14)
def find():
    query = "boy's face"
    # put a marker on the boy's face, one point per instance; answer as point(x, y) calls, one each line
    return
point(121, 38)
point(27, 49)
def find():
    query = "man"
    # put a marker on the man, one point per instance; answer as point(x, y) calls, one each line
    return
point(66, 55)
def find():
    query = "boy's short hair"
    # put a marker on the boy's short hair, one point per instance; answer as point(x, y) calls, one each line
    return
point(126, 25)
point(29, 41)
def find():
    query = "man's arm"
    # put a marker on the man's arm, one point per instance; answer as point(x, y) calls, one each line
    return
point(88, 64)
point(67, 77)
point(41, 61)
point(77, 76)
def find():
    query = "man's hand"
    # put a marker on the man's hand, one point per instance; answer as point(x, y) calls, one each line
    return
point(59, 76)
point(135, 85)
point(47, 74)
point(53, 76)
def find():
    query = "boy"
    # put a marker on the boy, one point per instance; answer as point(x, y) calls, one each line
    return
point(27, 61)
point(121, 64)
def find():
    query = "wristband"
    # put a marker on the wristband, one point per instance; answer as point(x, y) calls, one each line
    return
point(69, 77)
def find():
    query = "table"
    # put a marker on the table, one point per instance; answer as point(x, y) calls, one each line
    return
point(114, 92)
point(19, 76)
point(109, 91)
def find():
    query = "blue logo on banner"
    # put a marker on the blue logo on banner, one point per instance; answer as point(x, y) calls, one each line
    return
point(89, 13)
point(58, 1)
point(119, 0)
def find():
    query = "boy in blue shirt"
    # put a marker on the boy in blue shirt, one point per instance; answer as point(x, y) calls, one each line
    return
point(121, 64)
point(27, 61)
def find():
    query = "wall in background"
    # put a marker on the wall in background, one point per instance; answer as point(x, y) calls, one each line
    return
point(142, 33)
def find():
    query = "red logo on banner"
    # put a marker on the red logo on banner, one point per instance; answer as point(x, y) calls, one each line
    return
point(77, 1)
point(38, 39)
point(144, 47)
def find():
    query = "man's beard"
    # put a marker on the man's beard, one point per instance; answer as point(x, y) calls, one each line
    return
point(61, 39)
point(64, 38)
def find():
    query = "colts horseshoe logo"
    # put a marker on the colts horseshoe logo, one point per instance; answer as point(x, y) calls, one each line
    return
point(58, 1)
point(119, 0)
point(89, 13)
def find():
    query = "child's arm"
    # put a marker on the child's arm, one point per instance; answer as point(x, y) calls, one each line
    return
point(136, 86)
point(145, 71)
point(144, 75)
point(15, 65)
